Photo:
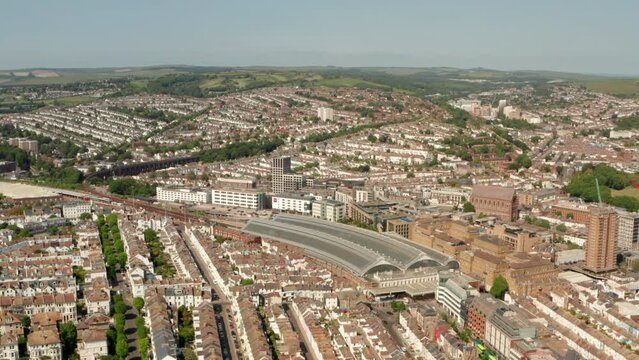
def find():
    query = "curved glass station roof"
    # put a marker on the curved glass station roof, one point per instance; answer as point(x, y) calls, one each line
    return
point(364, 252)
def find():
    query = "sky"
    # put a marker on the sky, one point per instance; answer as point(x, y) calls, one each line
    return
point(587, 36)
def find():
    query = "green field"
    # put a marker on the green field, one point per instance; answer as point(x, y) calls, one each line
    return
point(252, 78)
point(619, 87)
point(68, 76)
point(629, 191)
point(71, 100)
point(349, 82)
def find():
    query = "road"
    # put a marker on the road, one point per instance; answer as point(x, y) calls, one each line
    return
point(227, 339)
point(223, 330)
point(130, 327)
point(391, 325)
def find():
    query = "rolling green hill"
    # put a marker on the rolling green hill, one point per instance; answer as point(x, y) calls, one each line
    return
point(204, 81)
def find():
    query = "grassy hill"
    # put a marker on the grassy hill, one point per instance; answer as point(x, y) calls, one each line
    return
point(424, 81)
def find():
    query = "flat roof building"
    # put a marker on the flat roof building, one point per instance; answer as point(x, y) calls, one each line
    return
point(293, 202)
point(628, 233)
point(504, 326)
point(454, 290)
point(329, 210)
point(236, 198)
point(183, 195)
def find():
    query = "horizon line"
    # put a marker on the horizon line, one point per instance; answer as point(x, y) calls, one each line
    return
point(316, 66)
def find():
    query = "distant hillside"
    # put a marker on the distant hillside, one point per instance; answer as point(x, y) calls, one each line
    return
point(203, 81)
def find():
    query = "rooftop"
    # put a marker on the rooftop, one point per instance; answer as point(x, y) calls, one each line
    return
point(362, 251)
point(496, 192)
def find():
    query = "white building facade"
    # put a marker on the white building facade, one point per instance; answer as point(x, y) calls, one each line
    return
point(329, 210)
point(74, 210)
point(183, 195)
point(234, 198)
point(299, 203)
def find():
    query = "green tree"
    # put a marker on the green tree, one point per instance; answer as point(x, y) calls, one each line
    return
point(186, 333)
point(189, 354)
point(131, 187)
point(69, 337)
point(120, 307)
point(522, 161)
point(465, 335)
point(79, 274)
point(121, 347)
point(468, 207)
point(111, 340)
point(119, 322)
point(398, 306)
point(22, 346)
point(23, 233)
point(26, 323)
point(144, 346)
point(138, 304)
point(561, 227)
point(85, 216)
point(499, 288)
point(109, 357)
point(54, 230)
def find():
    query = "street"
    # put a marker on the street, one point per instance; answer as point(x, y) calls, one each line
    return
point(130, 327)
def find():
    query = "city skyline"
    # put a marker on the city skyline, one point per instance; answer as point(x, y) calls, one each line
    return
point(334, 180)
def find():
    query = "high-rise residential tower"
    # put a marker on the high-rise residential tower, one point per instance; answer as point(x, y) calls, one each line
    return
point(282, 180)
point(601, 247)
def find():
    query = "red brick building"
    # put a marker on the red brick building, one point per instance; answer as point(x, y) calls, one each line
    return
point(496, 201)
point(479, 309)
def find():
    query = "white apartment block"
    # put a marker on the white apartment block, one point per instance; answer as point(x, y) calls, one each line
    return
point(244, 199)
point(628, 230)
point(363, 195)
point(452, 196)
point(183, 195)
point(74, 210)
point(329, 210)
point(325, 113)
point(344, 196)
point(299, 203)
point(453, 291)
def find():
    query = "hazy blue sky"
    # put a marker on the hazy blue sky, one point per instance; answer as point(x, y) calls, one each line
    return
point(592, 36)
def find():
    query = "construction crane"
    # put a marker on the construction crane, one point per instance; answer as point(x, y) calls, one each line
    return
point(598, 192)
